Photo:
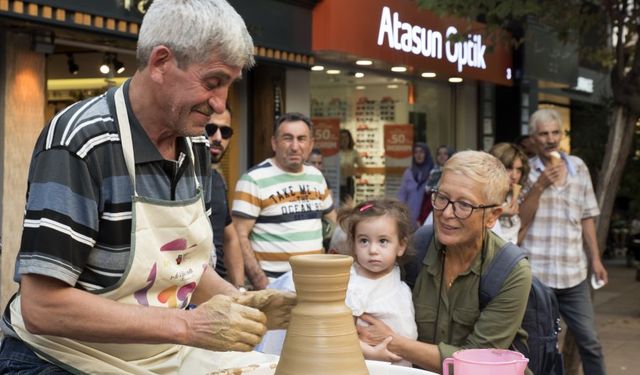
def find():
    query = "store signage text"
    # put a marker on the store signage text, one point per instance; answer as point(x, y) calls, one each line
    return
point(419, 40)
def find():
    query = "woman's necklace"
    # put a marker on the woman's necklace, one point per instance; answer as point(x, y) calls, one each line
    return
point(450, 278)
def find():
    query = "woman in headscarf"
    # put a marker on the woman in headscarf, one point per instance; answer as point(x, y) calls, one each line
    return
point(414, 179)
point(443, 153)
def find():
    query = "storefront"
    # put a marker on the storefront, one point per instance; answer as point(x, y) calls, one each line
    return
point(394, 75)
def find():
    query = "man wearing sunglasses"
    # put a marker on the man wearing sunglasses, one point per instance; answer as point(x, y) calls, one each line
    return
point(227, 258)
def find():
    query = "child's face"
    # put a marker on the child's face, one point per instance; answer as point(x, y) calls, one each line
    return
point(377, 246)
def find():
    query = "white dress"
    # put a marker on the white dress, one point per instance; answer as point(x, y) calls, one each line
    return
point(387, 298)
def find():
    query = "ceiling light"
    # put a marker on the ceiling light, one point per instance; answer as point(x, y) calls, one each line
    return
point(360, 87)
point(399, 69)
point(392, 86)
point(364, 62)
point(455, 79)
point(428, 75)
point(333, 71)
point(359, 75)
point(118, 66)
point(104, 68)
point(71, 64)
point(317, 68)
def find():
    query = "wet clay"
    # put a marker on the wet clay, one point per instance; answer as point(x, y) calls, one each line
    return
point(321, 338)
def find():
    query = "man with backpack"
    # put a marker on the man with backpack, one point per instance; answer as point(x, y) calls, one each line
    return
point(558, 216)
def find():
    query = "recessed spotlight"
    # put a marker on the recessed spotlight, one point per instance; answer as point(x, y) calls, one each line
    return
point(359, 75)
point(317, 68)
point(392, 86)
point(428, 75)
point(399, 69)
point(364, 62)
point(333, 71)
point(360, 87)
point(455, 79)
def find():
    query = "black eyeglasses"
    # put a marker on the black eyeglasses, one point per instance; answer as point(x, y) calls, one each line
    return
point(461, 210)
point(225, 131)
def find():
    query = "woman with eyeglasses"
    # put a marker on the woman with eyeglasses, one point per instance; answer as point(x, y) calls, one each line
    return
point(466, 203)
point(517, 165)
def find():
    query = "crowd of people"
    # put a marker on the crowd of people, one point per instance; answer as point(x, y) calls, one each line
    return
point(139, 266)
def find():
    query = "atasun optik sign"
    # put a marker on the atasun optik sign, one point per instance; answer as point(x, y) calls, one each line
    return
point(429, 43)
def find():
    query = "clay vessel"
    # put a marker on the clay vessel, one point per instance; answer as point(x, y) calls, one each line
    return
point(321, 338)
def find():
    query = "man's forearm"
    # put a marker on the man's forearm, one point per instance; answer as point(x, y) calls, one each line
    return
point(251, 266)
point(50, 307)
point(530, 205)
point(590, 239)
point(233, 259)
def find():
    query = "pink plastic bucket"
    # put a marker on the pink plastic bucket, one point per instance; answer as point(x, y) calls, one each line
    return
point(486, 362)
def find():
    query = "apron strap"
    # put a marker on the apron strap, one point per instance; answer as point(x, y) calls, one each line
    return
point(127, 143)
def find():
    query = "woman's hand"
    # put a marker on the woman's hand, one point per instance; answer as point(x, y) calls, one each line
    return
point(375, 333)
point(511, 208)
point(379, 352)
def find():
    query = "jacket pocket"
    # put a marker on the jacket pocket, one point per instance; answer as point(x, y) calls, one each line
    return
point(463, 321)
point(425, 320)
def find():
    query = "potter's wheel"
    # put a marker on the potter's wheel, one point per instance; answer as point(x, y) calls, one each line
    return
point(374, 367)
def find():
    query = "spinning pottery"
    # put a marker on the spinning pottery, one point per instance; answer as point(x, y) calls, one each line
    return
point(321, 338)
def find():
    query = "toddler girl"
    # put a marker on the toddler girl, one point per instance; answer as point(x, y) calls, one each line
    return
point(378, 234)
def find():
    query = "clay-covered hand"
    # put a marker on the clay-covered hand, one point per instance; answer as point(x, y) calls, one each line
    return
point(375, 333)
point(379, 352)
point(275, 304)
point(221, 324)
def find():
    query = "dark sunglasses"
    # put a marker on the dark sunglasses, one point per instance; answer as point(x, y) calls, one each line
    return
point(225, 131)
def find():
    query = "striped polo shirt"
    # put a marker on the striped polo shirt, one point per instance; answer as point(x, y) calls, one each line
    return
point(287, 207)
point(77, 226)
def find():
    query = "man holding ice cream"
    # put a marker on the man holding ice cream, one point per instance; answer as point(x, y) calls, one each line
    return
point(558, 216)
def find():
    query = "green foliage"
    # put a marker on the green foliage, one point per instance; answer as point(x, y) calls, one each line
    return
point(570, 19)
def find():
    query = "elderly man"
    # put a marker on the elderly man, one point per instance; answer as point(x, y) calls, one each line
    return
point(558, 216)
point(116, 238)
point(227, 256)
point(279, 204)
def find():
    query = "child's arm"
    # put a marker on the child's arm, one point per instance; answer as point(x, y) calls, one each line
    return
point(379, 352)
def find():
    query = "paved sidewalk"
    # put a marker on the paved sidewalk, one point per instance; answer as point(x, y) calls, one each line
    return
point(617, 307)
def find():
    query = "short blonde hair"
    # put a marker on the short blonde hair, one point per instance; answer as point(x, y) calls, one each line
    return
point(543, 116)
point(483, 168)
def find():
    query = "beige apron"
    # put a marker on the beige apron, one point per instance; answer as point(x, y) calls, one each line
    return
point(170, 246)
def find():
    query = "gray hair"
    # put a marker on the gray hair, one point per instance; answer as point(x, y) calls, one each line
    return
point(543, 116)
point(194, 31)
point(483, 168)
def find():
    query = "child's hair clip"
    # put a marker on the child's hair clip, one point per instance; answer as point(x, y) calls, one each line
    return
point(365, 207)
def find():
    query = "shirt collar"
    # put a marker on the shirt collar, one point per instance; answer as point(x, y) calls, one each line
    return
point(538, 165)
point(491, 244)
point(144, 150)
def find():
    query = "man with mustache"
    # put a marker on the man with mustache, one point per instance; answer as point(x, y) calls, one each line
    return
point(279, 204)
point(558, 218)
point(228, 256)
point(117, 235)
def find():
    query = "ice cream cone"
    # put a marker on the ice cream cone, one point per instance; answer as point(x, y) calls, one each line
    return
point(515, 190)
point(556, 158)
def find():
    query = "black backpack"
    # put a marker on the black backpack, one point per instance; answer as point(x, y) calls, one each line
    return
point(541, 318)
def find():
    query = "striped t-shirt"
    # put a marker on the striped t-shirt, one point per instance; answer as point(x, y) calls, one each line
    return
point(77, 226)
point(287, 207)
